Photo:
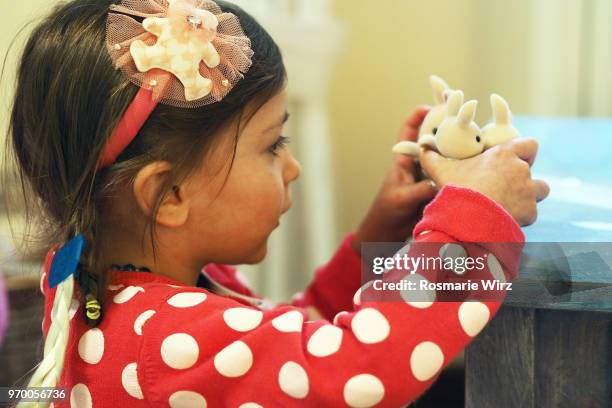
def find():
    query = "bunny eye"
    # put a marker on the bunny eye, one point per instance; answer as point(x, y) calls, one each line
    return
point(477, 139)
point(434, 131)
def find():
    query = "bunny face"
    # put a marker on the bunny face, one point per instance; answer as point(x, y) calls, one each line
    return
point(457, 142)
point(432, 121)
point(436, 115)
point(458, 136)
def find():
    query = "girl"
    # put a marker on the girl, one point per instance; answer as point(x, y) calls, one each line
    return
point(154, 177)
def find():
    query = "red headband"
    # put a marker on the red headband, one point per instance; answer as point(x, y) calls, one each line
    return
point(185, 53)
point(130, 124)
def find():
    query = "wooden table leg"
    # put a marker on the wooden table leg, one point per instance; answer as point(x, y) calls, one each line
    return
point(541, 358)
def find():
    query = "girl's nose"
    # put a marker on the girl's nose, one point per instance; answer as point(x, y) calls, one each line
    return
point(292, 169)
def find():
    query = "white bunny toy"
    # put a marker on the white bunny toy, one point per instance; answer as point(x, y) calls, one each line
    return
point(457, 137)
point(438, 112)
point(501, 130)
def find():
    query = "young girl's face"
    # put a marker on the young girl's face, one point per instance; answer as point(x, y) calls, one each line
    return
point(231, 223)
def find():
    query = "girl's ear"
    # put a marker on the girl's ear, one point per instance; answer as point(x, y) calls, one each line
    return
point(174, 208)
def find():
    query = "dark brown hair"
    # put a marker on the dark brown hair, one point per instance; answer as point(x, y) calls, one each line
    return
point(69, 98)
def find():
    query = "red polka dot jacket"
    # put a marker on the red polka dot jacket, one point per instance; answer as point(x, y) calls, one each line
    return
point(164, 344)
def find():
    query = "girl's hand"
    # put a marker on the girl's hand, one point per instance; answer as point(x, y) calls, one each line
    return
point(396, 208)
point(502, 173)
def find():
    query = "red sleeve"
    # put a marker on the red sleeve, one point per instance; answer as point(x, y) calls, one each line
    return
point(217, 352)
point(334, 284)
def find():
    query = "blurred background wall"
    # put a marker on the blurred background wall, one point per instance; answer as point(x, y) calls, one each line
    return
point(547, 57)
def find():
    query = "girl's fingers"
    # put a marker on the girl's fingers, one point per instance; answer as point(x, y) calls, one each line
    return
point(410, 129)
point(432, 162)
point(404, 162)
point(525, 149)
point(418, 115)
point(424, 190)
point(414, 194)
point(542, 189)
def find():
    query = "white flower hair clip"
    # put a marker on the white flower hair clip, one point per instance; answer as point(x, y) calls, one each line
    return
point(183, 53)
point(188, 52)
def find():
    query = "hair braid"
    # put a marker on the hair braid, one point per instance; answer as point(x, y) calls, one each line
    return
point(91, 276)
point(48, 372)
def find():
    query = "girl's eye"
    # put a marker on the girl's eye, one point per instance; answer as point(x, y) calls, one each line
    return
point(279, 144)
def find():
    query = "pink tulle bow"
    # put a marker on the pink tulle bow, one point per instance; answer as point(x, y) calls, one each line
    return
point(187, 52)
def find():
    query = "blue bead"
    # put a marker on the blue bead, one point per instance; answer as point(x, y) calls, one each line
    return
point(66, 261)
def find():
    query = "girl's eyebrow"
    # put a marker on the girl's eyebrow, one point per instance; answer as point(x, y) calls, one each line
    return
point(278, 123)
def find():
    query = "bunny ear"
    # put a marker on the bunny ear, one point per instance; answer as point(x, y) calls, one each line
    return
point(454, 102)
point(467, 114)
point(447, 94)
point(501, 110)
point(438, 86)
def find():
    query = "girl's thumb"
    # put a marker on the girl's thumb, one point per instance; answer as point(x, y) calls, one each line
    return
point(432, 162)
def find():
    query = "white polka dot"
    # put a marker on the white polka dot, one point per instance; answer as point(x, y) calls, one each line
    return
point(293, 380)
point(127, 293)
point(180, 351)
point(74, 306)
point(289, 322)
point(337, 317)
point(250, 405)
point(495, 268)
point(91, 346)
point(325, 341)
point(187, 299)
point(421, 299)
point(80, 397)
point(426, 360)
point(114, 287)
point(455, 252)
point(129, 380)
point(473, 317)
point(370, 326)
point(242, 319)
point(363, 390)
point(187, 399)
point(357, 295)
point(141, 319)
point(234, 360)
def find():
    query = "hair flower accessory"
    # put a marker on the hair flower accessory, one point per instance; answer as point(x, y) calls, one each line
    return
point(183, 53)
point(188, 52)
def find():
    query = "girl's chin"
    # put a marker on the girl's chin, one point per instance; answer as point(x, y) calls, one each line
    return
point(258, 254)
